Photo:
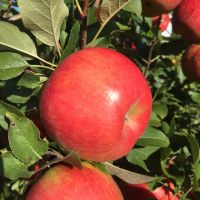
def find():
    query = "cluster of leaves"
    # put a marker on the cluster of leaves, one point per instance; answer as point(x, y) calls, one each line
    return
point(39, 36)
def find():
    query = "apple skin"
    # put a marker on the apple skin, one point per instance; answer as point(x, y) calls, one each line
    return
point(191, 62)
point(152, 8)
point(161, 21)
point(142, 192)
point(65, 182)
point(96, 103)
point(186, 20)
point(136, 191)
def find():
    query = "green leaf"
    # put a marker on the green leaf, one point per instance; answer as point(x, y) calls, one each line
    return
point(24, 140)
point(73, 40)
point(12, 168)
point(154, 120)
point(160, 109)
point(137, 156)
point(135, 6)
point(101, 42)
point(193, 147)
point(44, 18)
point(128, 176)
point(195, 96)
point(165, 152)
point(153, 137)
point(11, 38)
point(18, 99)
point(3, 6)
point(11, 65)
point(4, 108)
point(29, 80)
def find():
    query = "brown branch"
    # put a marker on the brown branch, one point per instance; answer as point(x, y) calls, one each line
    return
point(83, 42)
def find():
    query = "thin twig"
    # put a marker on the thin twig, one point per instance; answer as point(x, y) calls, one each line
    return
point(149, 60)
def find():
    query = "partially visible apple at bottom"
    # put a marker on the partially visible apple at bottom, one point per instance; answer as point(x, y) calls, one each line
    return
point(63, 182)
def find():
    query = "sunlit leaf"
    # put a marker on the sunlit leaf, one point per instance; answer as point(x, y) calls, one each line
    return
point(11, 38)
point(44, 18)
point(11, 65)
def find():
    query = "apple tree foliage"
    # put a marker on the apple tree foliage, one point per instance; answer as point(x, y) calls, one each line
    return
point(36, 35)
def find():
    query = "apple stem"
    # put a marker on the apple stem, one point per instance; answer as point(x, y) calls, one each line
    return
point(83, 41)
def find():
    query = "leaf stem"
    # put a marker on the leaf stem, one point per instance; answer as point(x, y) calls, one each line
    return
point(42, 66)
point(44, 61)
point(79, 7)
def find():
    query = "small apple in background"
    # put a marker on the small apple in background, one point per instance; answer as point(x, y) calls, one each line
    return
point(136, 191)
point(165, 193)
point(161, 21)
point(151, 8)
point(191, 62)
point(186, 20)
point(63, 182)
point(96, 103)
point(142, 192)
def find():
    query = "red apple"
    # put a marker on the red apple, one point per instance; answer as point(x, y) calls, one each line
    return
point(96, 103)
point(161, 21)
point(136, 191)
point(63, 182)
point(142, 192)
point(151, 8)
point(191, 62)
point(164, 193)
point(186, 20)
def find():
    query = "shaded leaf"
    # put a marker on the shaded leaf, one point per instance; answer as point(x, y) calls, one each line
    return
point(11, 65)
point(137, 156)
point(13, 168)
point(160, 109)
point(29, 80)
point(128, 176)
point(44, 18)
point(24, 140)
point(154, 120)
point(165, 152)
point(193, 147)
point(11, 38)
point(153, 137)
point(73, 40)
